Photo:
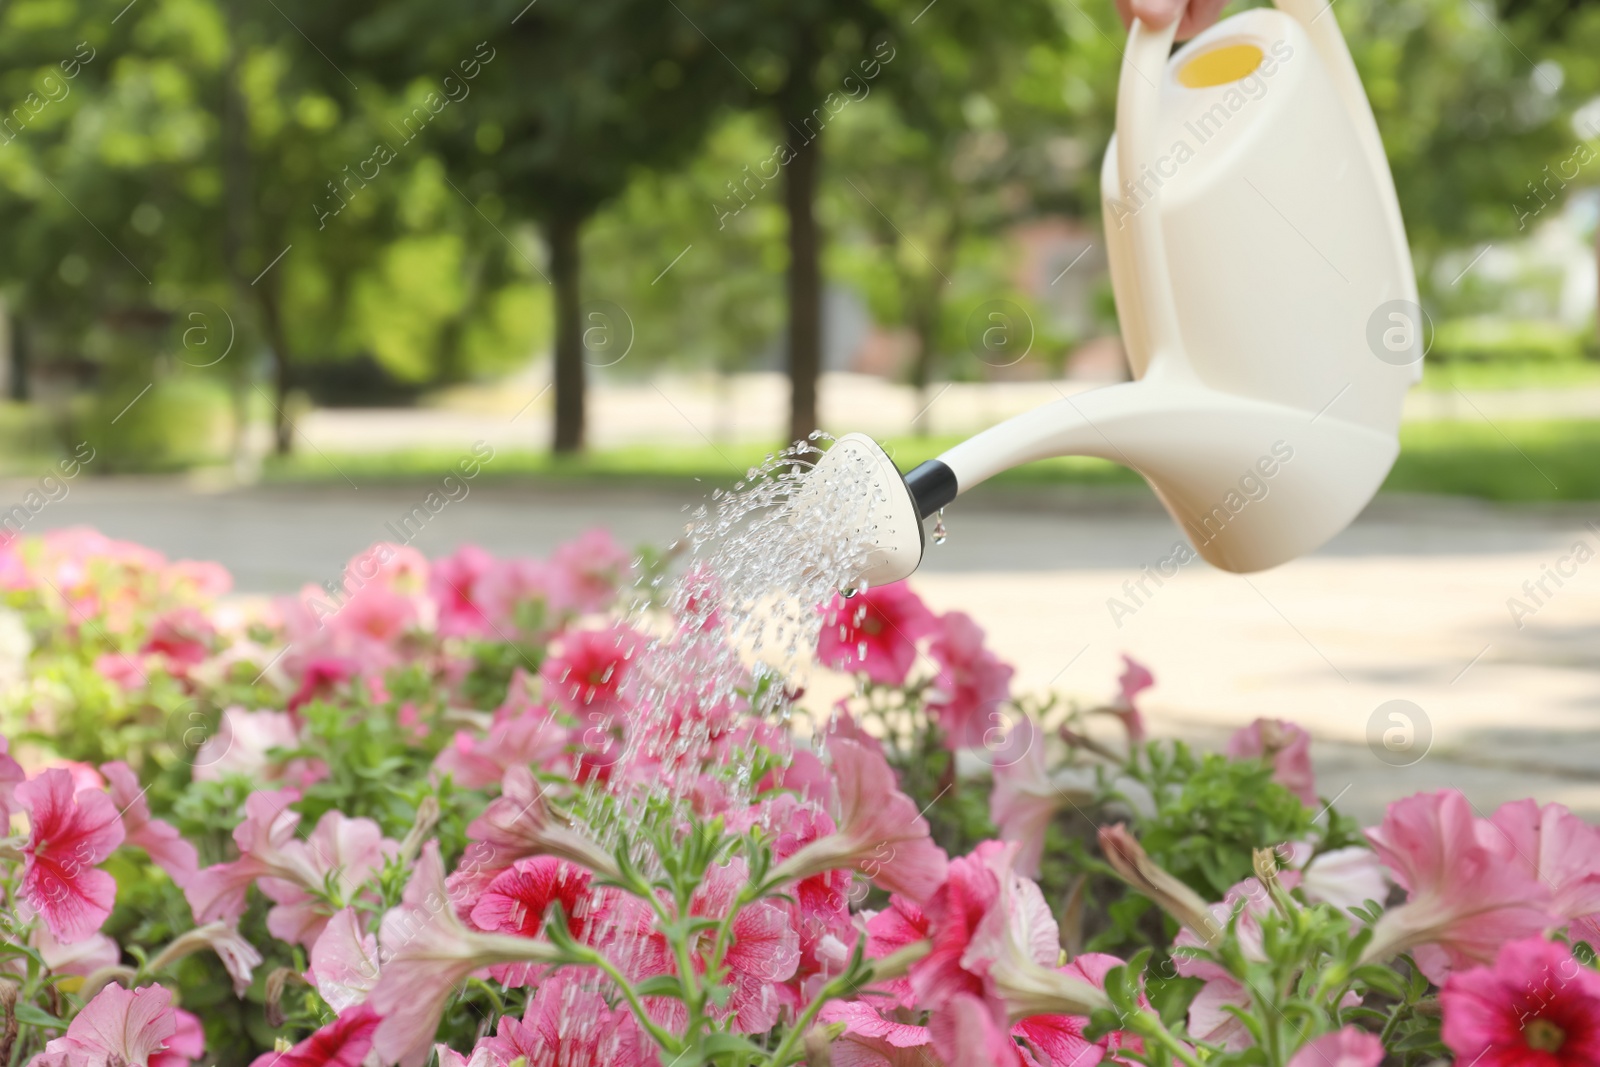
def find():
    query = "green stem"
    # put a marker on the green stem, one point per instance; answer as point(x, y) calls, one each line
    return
point(499, 1004)
point(797, 1033)
point(1154, 1028)
point(661, 1037)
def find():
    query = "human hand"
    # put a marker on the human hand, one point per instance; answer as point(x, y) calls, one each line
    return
point(1197, 14)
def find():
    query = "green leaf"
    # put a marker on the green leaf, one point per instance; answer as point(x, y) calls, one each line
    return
point(27, 1013)
point(661, 985)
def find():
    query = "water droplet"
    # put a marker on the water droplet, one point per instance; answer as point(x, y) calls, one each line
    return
point(940, 534)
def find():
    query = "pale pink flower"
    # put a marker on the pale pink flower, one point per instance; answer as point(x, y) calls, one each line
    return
point(1463, 899)
point(875, 632)
point(84, 775)
point(971, 685)
point(159, 839)
point(425, 952)
point(81, 958)
point(586, 571)
point(1286, 747)
point(966, 1033)
point(1345, 877)
point(341, 851)
point(344, 961)
point(344, 1042)
point(1348, 1047)
point(69, 836)
point(1025, 797)
point(880, 832)
point(1536, 1007)
point(243, 745)
point(1561, 851)
point(199, 579)
point(136, 1027)
point(127, 671)
point(1245, 904)
point(239, 957)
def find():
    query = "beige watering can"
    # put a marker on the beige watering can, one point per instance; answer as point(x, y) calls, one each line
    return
point(1266, 296)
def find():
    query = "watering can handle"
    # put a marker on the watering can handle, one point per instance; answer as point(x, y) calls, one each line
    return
point(1144, 65)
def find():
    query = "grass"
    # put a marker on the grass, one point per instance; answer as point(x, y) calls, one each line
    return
point(1506, 375)
point(1511, 461)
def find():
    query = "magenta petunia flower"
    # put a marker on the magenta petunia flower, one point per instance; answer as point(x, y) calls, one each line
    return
point(586, 571)
point(1286, 747)
point(1536, 1006)
point(875, 632)
point(69, 835)
point(1463, 899)
point(344, 1042)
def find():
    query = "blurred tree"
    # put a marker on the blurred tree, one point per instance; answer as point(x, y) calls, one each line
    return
point(568, 100)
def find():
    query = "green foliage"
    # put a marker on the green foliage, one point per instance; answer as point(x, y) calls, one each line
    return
point(1513, 341)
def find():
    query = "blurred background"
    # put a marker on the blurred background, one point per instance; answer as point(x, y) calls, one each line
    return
point(270, 270)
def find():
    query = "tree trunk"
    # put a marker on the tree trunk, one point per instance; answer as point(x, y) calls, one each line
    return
point(563, 232)
point(282, 369)
point(805, 273)
point(20, 362)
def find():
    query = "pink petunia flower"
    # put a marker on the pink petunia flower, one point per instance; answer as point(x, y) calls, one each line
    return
point(137, 1027)
point(763, 951)
point(586, 572)
point(875, 632)
point(159, 839)
point(426, 951)
point(341, 851)
point(68, 837)
point(1536, 1007)
point(586, 676)
point(880, 832)
point(1561, 851)
point(1135, 679)
point(517, 901)
point(1348, 1047)
point(1284, 745)
point(532, 738)
point(871, 1039)
point(452, 583)
point(1463, 899)
point(344, 961)
point(965, 1033)
point(515, 596)
point(267, 848)
point(11, 776)
point(183, 637)
point(344, 1042)
point(971, 685)
point(565, 1024)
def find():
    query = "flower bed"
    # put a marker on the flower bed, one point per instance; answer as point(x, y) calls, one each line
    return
point(424, 814)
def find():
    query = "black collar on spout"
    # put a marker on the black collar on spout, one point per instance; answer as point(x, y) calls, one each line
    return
point(932, 486)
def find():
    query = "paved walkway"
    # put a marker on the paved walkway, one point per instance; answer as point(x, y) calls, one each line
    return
point(1409, 604)
point(752, 407)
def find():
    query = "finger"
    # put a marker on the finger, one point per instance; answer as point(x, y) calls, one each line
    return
point(1157, 13)
point(1199, 17)
point(1125, 11)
